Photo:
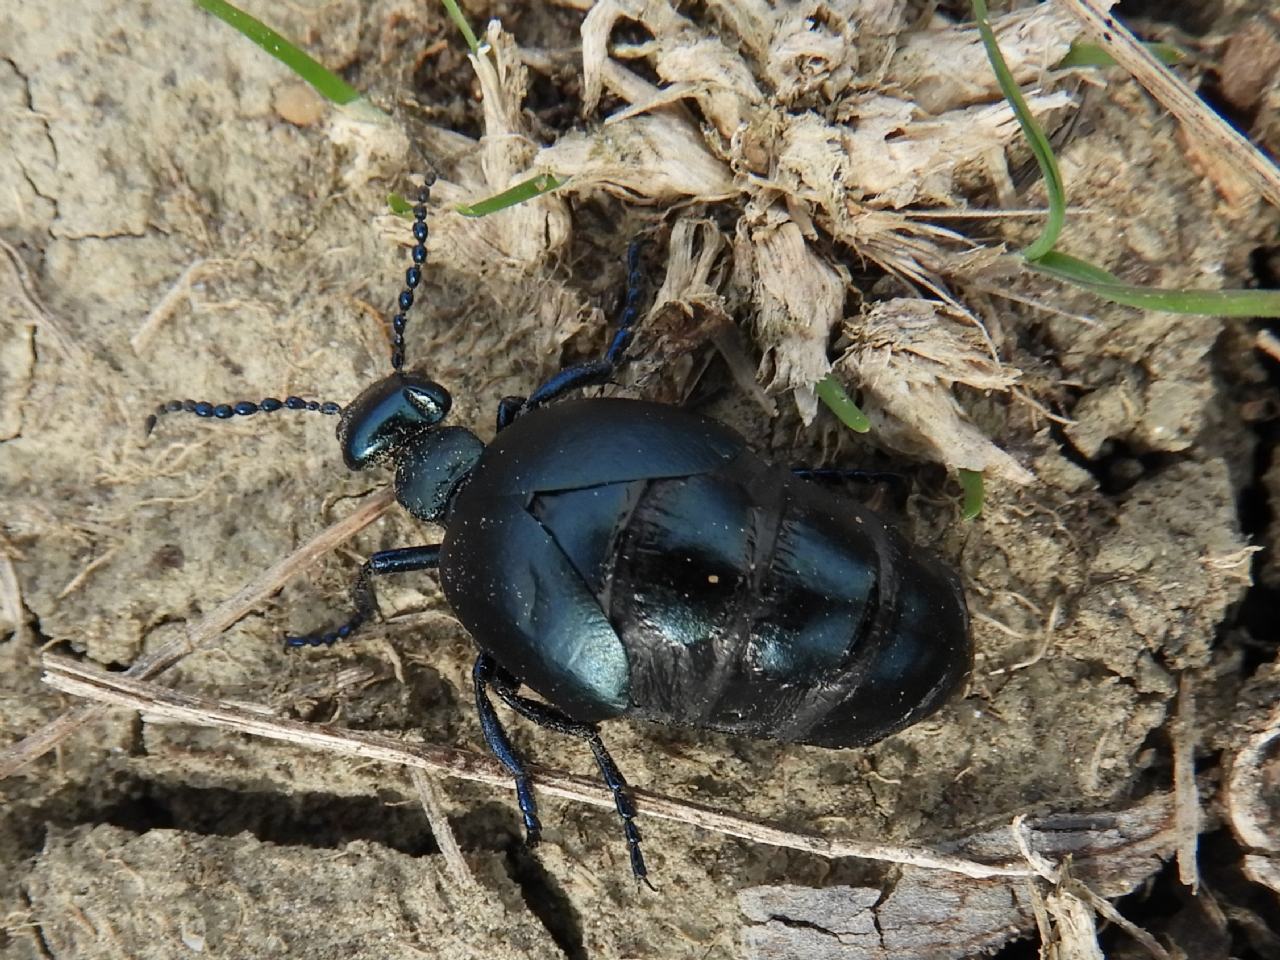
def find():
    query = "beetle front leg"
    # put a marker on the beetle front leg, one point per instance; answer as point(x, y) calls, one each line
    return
point(482, 675)
point(548, 717)
point(592, 372)
point(402, 560)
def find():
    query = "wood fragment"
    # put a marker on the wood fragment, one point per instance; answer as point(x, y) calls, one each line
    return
point(1248, 797)
point(932, 915)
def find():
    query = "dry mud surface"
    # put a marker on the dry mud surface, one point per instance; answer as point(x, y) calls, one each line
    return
point(182, 218)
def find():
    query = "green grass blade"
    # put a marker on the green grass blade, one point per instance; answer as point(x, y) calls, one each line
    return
point(399, 205)
point(1086, 54)
point(459, 21)
point(1219, 303)
point(833, 394)
point(974, 494)
point(330, 86)
point(525, 190)
point(1035, 138)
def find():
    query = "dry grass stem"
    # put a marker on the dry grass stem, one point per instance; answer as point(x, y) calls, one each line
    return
point(14, 758)
point(1106, 910)
point(1169, 89)
point(432, 796)
point(160, 702)
point(163, 310)
point(1074, 931)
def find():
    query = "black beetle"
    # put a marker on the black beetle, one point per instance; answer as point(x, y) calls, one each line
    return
point(629, 559)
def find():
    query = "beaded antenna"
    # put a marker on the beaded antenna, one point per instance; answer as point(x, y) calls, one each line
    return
point(247, 408)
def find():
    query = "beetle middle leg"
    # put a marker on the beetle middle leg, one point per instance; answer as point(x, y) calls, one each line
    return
point(402, 560)
point(592, 371)
point(548, 717)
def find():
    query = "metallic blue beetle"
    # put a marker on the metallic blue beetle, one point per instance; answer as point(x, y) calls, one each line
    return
point(629, 559)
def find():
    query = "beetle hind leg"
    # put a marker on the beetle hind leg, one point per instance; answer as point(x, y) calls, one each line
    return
point(549, 718)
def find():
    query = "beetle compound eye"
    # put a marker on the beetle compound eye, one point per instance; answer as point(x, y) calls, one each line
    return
point(428, 398)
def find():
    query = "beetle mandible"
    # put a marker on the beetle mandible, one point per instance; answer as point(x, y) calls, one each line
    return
point(623, 558)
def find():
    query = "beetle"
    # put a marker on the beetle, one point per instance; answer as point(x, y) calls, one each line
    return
point(623, 558)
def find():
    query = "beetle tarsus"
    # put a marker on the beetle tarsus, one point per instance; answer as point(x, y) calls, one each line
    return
point(616, 782)
point(508, 409)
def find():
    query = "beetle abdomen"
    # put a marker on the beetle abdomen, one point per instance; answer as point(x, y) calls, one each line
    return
point(753, 602)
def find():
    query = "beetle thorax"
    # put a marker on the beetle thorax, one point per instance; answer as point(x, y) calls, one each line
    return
point(430, 470)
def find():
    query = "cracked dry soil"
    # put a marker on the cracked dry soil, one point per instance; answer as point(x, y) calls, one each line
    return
point(158, 174)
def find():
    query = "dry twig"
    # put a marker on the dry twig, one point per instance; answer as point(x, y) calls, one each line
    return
point(163, 310)
point(25, 292)
point(1176, 97)
point(161, 702)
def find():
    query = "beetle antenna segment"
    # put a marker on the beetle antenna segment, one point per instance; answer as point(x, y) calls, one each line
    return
point(630, 307)
point(412, 276)
point(241, 408)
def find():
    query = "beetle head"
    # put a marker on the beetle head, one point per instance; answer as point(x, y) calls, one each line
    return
point(397, 420)
point(389, 417)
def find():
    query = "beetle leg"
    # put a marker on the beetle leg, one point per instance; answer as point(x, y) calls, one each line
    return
point(508, 409)
point(500, 744)
point(403, 560)
point(548, 717)
point(593, 371)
